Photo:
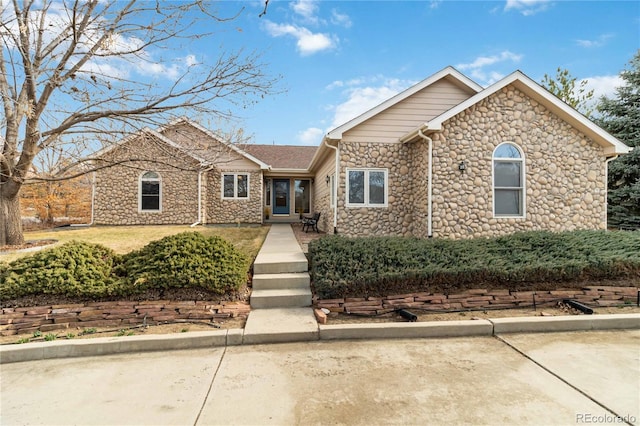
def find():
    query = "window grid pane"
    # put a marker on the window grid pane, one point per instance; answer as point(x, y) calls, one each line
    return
point(243, 190)
point(356, 187)
point(229, 187)
point(376, 187)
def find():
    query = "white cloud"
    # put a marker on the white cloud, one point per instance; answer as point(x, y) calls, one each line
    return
point(307, 43)
point(362, 99)
point(527, 7)
point(310, 136)
point(306, 8)
point(340, 19)
point(604, 85)
point(434, 4)
point(598, 42)
point(477, 71)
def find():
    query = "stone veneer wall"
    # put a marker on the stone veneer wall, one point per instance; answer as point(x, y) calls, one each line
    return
point(115, 314)
point(117, 187)
point(396, 219)
point(593, 296)
point(565, 171)
point(221, 210)
point(564, 175)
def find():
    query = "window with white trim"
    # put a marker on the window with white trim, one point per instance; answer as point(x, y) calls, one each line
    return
point(235, 185)
point(150, 194)
point(367, 187)
point(508, 181)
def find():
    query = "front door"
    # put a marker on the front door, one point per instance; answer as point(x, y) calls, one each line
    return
point(281, 196)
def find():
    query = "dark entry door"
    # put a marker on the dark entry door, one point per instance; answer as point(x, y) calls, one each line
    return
point(281, 196)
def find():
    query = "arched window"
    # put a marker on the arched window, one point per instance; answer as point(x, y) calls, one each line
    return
point(150, 192)
point(508, 181)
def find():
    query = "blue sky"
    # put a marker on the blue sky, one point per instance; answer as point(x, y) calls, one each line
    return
point(337, 59)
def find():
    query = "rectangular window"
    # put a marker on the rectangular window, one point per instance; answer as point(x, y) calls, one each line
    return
point(303, 195)
point(508, 188)
point(235, 186)
point(150, 196)
point(367, 187)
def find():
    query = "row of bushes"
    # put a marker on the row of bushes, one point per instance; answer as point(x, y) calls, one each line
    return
point(84, 270)
point(378, 266)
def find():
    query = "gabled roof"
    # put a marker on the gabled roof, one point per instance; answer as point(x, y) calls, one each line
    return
point(532, 89)
point(448, 72)
point(288, 157)
point(155, 134)
point(218, 139)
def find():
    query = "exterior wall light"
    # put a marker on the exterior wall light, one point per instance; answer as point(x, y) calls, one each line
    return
point(327, 179)
point(462, 166)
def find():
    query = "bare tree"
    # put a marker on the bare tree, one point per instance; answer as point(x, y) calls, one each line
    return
point(71, 74)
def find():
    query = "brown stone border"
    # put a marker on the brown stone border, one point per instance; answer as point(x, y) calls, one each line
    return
point(114, 314)
point(480, 298)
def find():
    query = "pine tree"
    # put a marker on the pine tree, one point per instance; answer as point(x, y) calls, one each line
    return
point(620, 116)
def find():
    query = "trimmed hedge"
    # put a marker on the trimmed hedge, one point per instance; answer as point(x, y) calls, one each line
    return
point(91, 271)
point(73, 269)
point(188, 259)
point(379, 266)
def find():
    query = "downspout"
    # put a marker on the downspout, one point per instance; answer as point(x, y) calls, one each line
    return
point(606, 190)
point(335, 189)
point(200, 172)
point(429, 184)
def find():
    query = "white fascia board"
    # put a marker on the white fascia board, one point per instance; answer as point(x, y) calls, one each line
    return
point(611, 144)
point(336, 133)
point(219, 139)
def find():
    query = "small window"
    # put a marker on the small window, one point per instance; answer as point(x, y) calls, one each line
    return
point(508, 181)
point(150, 194)
point(367, 187)
point(235, 185)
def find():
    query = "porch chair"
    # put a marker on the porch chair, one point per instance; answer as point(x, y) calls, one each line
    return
point(311, 222)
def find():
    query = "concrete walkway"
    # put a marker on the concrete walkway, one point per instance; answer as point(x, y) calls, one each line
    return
point(281, 295)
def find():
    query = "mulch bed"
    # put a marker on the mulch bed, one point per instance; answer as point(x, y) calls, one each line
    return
point(28, 245)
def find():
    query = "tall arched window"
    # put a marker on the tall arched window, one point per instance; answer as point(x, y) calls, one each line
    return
point(508, 181)
point(150, 192)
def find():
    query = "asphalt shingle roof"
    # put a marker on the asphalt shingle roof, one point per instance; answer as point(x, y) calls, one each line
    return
point(282, 156)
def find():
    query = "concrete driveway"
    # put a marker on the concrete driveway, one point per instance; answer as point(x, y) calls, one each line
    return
point(552, 378)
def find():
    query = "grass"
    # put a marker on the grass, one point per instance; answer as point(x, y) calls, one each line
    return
point(123, 239)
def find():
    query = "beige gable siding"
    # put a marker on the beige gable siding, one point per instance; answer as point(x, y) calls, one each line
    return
point(203, 146)
point(406, 115)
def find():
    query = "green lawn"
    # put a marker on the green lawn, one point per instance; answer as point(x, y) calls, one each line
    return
point(123, 239)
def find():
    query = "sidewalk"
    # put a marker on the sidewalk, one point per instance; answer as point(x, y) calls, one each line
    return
point(524, 379)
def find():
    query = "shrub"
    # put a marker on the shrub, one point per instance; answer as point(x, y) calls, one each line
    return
point(188, 259)
point(73, 269)
point(378, 266)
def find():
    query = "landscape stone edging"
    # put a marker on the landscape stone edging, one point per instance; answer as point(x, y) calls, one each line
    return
point(114, 314)
point(601, 296)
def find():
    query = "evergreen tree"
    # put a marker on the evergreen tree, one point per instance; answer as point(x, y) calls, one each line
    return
point(620, 116)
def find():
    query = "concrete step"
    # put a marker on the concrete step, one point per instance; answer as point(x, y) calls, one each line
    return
point(280, 298)
point(280, 325)
point(280, 263)
point(281, 281)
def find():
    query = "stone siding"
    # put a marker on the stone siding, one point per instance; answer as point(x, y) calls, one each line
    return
point(221, 210)
point(117, 188)
point(564, 170)
point(396, 219)
point(565, 175)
